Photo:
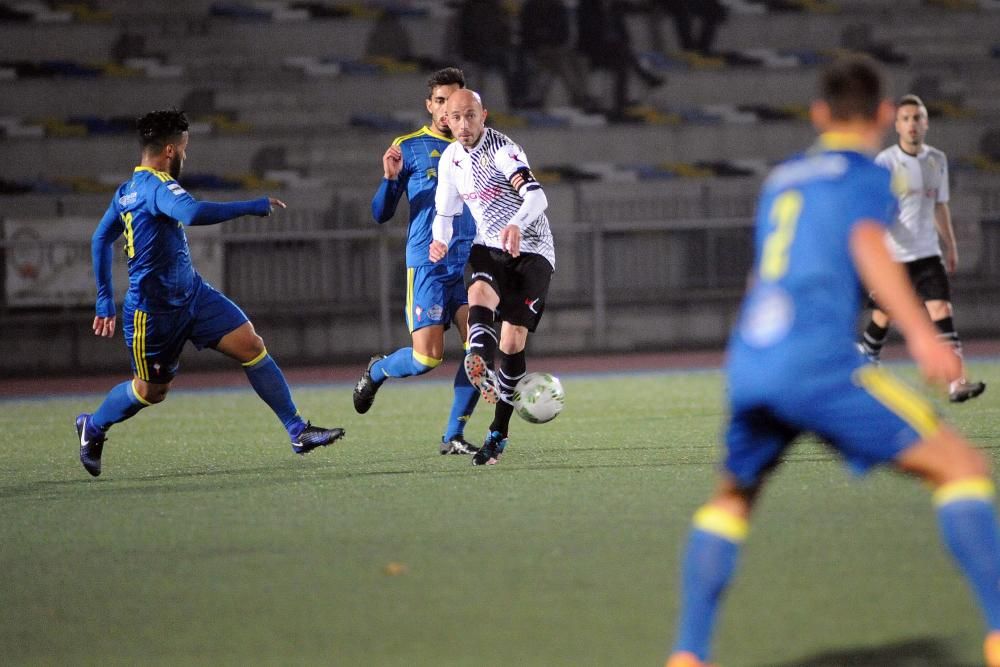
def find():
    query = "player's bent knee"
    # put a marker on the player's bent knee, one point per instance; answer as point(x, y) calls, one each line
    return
point(482, 294)
point(151, 393)
point(255, 345)
point(945, 457)
point(938, 310)
point(423, 363)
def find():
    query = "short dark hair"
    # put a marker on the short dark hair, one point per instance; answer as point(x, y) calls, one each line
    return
point(853, 87)
point(159, 128)
point(445, 77)
point(910, 99)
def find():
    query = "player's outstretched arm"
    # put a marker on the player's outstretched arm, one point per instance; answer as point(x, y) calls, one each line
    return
point(881, 274)
point(175, 202)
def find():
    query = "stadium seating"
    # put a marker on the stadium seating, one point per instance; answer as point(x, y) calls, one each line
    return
point(284, 98)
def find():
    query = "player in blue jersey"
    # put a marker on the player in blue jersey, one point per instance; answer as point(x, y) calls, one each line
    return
point(168, 303)
point(793, 368)
point(435, 292)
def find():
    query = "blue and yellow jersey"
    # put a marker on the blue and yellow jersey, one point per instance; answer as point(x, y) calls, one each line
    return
point(150, 210)
point(421, 152)
point(801, 310)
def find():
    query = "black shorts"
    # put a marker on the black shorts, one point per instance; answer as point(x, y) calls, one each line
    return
point(930, 281)
point(522, 282)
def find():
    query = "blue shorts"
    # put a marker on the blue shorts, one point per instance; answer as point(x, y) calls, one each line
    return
point(434, 293)
point(155, 340)
point(866, 414)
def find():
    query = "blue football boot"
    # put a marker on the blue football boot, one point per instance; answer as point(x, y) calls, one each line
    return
point(489, 453)
point(90, 448)
point(311, 437)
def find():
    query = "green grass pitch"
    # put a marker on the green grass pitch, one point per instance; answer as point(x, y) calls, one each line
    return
point(206, 541)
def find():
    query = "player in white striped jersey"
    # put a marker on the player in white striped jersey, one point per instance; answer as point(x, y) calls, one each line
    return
point(512, 258)
point(920, 177)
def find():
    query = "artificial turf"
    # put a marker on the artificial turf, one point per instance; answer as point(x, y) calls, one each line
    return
point(206, 541)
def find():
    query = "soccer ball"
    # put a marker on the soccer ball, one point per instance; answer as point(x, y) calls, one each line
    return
point(539, 397)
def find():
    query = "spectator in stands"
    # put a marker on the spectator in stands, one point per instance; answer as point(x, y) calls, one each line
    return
point(485, 42)
point(603, 38)
point(708, 14)
point(548, 53)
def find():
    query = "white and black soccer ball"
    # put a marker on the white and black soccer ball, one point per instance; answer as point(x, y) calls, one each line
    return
point(539, 397)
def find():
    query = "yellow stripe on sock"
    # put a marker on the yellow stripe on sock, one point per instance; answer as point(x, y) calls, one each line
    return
point(256, 360)
point(910, 406)
point(973, 488)
point(138, 396)
point(430, 362)
point(715, 520)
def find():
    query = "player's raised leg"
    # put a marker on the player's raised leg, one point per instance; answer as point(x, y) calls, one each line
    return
point(425, 355)
point(483, 338)
point(244, 345)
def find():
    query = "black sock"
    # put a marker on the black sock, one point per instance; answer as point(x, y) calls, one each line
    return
point(948, 334)
point(512, 368)
point(482, 334)
point(873, 339)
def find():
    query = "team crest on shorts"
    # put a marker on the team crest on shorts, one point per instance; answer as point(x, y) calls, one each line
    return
point(435, 312)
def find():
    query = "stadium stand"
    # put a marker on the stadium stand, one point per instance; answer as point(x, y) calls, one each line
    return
point(651, 215)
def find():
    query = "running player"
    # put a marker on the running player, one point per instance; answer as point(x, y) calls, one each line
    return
point(435, 293)
point(168, 303)
point(924, 218)
point(792, 367)
point(512, 258)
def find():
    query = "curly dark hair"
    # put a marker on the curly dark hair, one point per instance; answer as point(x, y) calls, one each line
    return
point(445, 77)
point(159, 128)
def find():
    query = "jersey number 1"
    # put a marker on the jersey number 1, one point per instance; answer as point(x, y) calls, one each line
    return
point(784, 216)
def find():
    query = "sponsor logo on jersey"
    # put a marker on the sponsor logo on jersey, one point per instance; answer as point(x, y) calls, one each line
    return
point(175, 188)
point(431, 174)
point(486, 194)
point(128, 199)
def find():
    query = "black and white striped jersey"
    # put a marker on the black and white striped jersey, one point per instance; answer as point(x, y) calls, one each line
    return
point(480, 177)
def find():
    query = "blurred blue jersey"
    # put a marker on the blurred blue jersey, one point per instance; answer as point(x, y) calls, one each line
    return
point(800, 313)
point(151, 210)
point(421, 152)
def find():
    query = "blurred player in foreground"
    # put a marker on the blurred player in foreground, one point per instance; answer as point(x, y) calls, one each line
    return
point(512, 258)
point(920, 175)
point(435, 292)
point(168, 303)
point(793, 367)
